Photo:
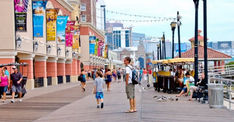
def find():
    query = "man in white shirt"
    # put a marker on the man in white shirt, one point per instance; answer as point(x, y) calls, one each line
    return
point(130, 88)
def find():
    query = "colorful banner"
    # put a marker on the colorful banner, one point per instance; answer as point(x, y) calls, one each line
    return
point(69, 33)
point(38, 17)
point(75, 41)
point(91, 48)
point(106, 52)
point(21, 15)
point(61, 28)
point(100, 48)
point(21, 22)
point(21, 6)
point(51, 17)
point(96, 48)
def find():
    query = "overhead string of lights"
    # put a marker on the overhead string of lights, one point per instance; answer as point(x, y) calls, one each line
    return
point(144, 18)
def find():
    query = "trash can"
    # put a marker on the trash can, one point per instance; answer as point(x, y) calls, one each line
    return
point(215, 95)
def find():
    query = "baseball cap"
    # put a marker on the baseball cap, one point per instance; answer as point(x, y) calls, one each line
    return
point(14, 67)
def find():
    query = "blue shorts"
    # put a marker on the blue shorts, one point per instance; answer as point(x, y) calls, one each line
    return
point(3, 89)
point(99, 95)
point(184, 89)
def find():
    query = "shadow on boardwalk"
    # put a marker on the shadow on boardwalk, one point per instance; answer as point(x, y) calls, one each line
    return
point(149, 110)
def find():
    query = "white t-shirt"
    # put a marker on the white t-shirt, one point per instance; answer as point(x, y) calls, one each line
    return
point(129, 71)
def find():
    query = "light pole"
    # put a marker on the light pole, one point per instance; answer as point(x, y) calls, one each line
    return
point(205, 41)
point(164, 46)
point(160, 49)
point(173, 27)
point(196, 3)
point(158, 52)
point(178, 24)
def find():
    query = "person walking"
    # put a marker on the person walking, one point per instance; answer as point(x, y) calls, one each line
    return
point(119, 74)
point(108, 79)
point(16, 79)
point(4, 84)
point(82, 79)
point(130, 87)
point(98, 89)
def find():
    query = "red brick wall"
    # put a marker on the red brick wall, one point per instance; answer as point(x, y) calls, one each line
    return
point(74, 67)
point(52, 69)
point(88, 10)
point(58, 5)
point(28, 70)
point(40, 69)
point(61, 69)
point(68, 69)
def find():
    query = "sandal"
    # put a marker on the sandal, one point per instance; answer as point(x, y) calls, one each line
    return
point(134, 110)
point(129, 111)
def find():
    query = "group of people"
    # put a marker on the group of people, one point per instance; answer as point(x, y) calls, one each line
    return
point(103, 77)
point(10, 82)
point(184, 80)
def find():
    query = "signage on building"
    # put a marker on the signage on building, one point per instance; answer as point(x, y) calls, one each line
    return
point(69, 33)
point(100, 48)
point(38, 17)
point(75, 41)
point(61, 28)
point(21, 15)
point(21, 22)
point(224, 45)
point(51, 17)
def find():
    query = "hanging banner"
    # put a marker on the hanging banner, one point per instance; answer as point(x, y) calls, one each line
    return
point(106, 52)
point(51, 17)
point(75, 41)
point(91, 48)
point(96, 47)
point(100, 47)
point(69, 33)
point(61, 28)
point(21, 6)
point(21, 15)
point(38, 17)
point(21, 22)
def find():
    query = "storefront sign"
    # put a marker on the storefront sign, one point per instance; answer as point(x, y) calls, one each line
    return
point(21, 15)
point(61, 28)
point(38, 17)
point(69, 33)
point(51, 17)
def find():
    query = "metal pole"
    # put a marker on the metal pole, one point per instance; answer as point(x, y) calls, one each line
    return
point(160, 49)
point(205, 41)
point(173, 39)
point(178, 24)
point(196, 2)
point(164, 46)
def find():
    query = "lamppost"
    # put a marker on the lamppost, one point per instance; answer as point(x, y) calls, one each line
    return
point(158, 52)
point(196, 3)
point(205, 40)
point(178, 24)
point(160, 49)
point(173, 27)
point(164, 46)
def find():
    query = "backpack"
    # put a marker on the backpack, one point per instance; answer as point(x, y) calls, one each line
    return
point(80, 78)
point(134, 76)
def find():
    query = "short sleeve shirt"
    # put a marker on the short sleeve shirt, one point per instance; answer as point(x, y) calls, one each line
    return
point(99, 82)
point(16, 77)
point(129, 71)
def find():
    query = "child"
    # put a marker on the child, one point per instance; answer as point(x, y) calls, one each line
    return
point(98, 89)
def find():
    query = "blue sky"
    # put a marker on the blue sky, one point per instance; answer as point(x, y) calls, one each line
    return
point(220, 17)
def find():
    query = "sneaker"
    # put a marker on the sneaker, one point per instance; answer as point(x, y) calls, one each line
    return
point(12, 101)
point(20, 100)
point(98, 106)
point(102, 105)
point(3, 101)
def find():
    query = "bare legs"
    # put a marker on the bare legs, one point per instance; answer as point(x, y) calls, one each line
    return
point(108, 86)
point(83, 85)
point(132, 103)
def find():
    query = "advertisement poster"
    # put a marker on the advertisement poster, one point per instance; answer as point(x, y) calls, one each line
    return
point(61, 28)
point(38, 17)
point(21, 15)
point(21, 22)
point(51, 17)
point(106, 52)
point(100, 48)
point(69, 33)
point(75, 41)
point(91, 48)
point(96, 48)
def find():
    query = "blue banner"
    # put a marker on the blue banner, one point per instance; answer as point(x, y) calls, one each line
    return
point(38, 17)
point(91, 48)
point(61, 28)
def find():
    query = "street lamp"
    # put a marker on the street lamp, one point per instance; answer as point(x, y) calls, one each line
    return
point(35, 46)
point(158, 54)
point(18, 42)
point(164, 46)
point(59, 51)
point(205, 41)
point(67, 53)
point(48, 49)
point(173, 27)
point(196, 3)
point(179, 24)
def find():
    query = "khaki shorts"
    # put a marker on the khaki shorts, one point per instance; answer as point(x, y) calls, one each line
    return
point(130, 91)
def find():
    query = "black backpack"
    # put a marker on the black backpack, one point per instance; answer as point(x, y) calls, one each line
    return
point(135, 79)
point(80, 78)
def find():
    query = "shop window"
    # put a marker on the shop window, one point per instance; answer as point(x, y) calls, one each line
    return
point(49, 81)
point(60, 79)
point(83, 7)
point(68, 78)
